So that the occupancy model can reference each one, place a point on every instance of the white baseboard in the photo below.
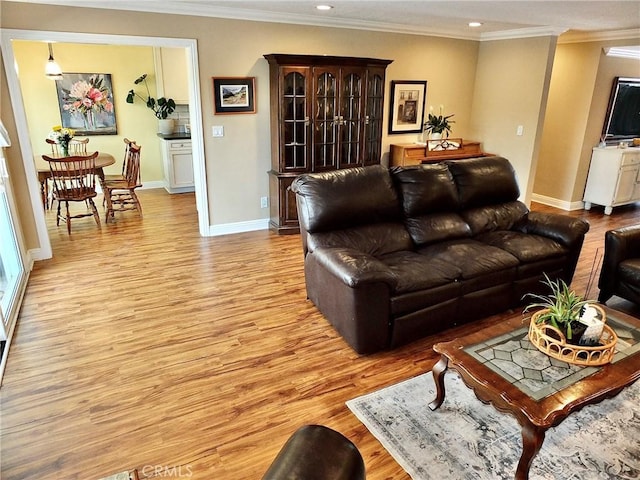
(554, 202)
(239, 227)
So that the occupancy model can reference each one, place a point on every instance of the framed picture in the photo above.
(406, 114)
(86, 103)
(234, 95)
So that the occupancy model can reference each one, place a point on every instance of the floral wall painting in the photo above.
(406, 114)
(86, 103)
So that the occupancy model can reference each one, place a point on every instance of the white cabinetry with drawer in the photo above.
(614, 178)
(178, 166)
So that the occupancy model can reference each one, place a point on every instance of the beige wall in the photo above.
(125, 64)
(511, 90)
(237, 164)
(579, 93)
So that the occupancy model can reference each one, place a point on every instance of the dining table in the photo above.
(44, 172)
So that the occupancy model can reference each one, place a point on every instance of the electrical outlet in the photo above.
(264, 202)
(519, 130)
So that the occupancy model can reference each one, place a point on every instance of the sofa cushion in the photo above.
(503, 216)
(472, 257)
(418, 272)
(437, 227)
(525, 247)
(425, 189)
(346, 198)
(629, 271)
(484, 181)
(376, 239)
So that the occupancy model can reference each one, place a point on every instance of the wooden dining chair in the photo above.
(119, 192)
(54, 147)
(78, 146)
(74, 180)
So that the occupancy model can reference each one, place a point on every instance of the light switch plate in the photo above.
(217, 131)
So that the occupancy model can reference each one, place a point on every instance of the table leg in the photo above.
(532, 438)
(438, 376)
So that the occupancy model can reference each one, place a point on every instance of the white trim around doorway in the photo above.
(195, 112)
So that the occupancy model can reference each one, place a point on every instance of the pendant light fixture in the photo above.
(52, 70)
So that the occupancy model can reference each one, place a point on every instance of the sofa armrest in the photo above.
(355, 268)
(353, 291)
(563, 229)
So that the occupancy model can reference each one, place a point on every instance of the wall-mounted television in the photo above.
(623, 115)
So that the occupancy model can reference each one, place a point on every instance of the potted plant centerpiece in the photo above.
(569, 328)
(561, 309)
(437, 125)
(162, 107)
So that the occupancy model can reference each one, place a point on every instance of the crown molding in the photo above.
(202, 9)
(523, 33)
(582, 37)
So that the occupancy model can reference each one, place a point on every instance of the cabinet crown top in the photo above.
(299, 59)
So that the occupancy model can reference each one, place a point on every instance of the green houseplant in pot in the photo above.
(438, 125)
(162, 107)
(561, 309)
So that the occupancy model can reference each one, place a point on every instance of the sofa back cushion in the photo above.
(430, 203)
(426, 189)
(346, 198)
(504, 216)
(484, 181)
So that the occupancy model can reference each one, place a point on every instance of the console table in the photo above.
(404, 154)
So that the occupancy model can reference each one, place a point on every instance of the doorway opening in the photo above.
(16, 94)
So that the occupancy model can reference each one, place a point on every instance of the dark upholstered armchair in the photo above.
(316, 452)
(620, 274)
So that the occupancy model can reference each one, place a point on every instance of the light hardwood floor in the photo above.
(144, 345)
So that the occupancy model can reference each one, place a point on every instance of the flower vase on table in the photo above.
(62, 136)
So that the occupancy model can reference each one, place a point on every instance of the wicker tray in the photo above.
(551, 341)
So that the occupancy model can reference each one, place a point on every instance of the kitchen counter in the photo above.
(175, 136)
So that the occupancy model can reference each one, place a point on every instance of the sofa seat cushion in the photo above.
(629, 271)
(471, 257)
(375, 239)
(526, 247)
(417, 272)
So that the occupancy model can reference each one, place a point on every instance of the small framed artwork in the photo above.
(406, 114)
(86, 103)
(234, 95)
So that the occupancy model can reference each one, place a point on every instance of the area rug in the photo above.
(467, 440)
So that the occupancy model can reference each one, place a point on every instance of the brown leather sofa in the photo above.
(394, 255)
(620, 273)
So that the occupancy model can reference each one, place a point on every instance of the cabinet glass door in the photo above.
(373, 119)
(350, 123)
(295, 122)
(325, 122)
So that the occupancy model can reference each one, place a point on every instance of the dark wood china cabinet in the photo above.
(326, 114)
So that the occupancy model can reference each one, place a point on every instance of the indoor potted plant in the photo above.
(438, 124)
(561, 309)
(162, 107)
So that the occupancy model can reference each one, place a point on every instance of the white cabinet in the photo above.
(171, 74)
(178, 166)
(614, 178)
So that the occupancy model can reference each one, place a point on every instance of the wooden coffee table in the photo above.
(501, 371)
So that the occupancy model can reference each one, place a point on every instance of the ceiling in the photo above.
(500, 19)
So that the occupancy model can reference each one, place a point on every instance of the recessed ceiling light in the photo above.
(475, 24)
(324, 7)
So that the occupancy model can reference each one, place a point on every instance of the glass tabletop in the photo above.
(519, 362)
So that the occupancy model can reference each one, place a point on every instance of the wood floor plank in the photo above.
(143, 345)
